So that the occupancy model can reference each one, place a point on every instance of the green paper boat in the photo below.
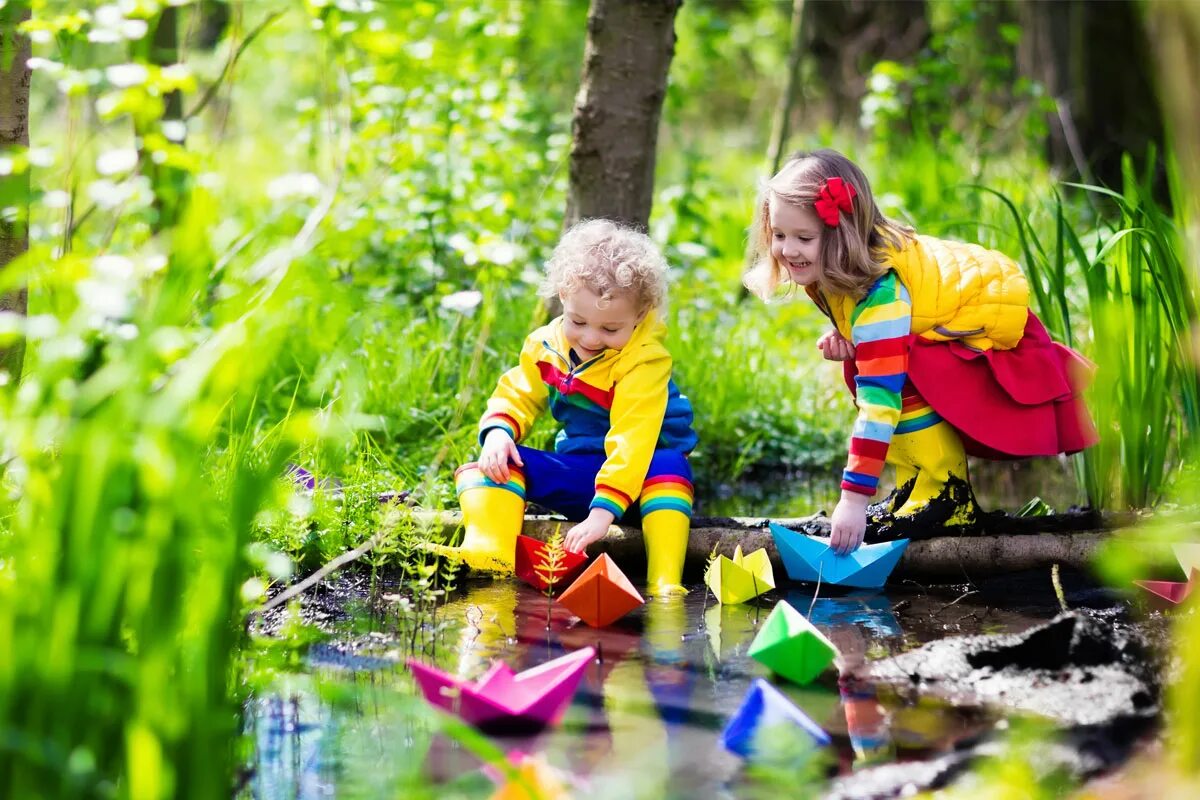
(741, 578)
(791, 646)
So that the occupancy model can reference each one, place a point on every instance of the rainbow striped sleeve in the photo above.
(611, 499)
(879, 326)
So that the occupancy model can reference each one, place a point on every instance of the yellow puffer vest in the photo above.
(960, 292)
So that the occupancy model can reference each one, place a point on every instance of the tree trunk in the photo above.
(1094, 60)
(629, 48)
(781, 124)
(14, 188)
(847, 38)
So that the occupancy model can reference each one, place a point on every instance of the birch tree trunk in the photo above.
(630, 44)
(14, 188)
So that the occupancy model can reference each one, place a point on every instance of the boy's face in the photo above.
(590, 329)
(796, 241)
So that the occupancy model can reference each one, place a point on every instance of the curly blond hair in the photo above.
(609, 260)
(852, 252)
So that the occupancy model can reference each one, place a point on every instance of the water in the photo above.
(647, 718)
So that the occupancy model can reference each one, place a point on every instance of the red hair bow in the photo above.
(834, 195)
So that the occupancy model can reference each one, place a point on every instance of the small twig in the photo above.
(962, 596)
(1058, 590)
(215, 85)
(337, 563)
(816, 591)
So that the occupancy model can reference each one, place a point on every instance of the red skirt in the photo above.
(1005, 403)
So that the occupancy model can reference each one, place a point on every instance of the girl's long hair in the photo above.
(852, 253)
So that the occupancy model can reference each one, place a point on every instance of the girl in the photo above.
(604, 373)
(938, 344)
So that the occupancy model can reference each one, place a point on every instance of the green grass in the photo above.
(1123, 294)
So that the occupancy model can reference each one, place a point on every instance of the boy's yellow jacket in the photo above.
(622, 403)
(960, 292)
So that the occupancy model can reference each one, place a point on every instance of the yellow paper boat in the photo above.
(741, 578)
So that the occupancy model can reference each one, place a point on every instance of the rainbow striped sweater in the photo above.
(880, 325)
(622, 403)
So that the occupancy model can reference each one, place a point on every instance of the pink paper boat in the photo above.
(1173, 592)
(503, 701)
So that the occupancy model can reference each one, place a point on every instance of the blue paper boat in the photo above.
(809, 558)
(766, 708)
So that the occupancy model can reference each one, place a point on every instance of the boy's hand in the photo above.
(590, 530)
(849, 523)
(835, 347)
(498, 450)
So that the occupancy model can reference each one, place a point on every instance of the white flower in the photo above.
(51, 67)
(501, 253)
(126, 75)
(113, 268)
(463, 302)
(174, 130)
(294, 184)
(177, 72)
(41, 156)
(116, 161)
(134, 28)
(41, 326)
(104, 299)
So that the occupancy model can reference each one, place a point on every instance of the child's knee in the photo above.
(669, 462)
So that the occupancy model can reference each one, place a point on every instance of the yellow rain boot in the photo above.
(666, 535)
(880, 513)
(666, 505)
(492, 516)
(941, 498)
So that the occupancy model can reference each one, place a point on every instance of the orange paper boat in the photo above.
(602, 594)
(533, 564)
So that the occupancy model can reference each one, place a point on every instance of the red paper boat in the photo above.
(602, 594)
(503, 701)
(1173, 592)
(531, 556)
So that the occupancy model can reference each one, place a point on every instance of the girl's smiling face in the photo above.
(796, 240)
(591, 329)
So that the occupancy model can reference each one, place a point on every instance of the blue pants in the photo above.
(566, 484)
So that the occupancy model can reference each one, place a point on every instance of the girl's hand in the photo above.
(498, 450)
(590, 530)
(835, 347)
(849, 523)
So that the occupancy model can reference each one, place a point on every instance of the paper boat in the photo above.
(789, 645)
(533, 565)
(809, 558)
(602, 594)
(768, 710)
(503, 701)
(1189, 557)
(1173, 592)
(741, 578)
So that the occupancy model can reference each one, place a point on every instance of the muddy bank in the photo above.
(1089, 674)
(1078, 669)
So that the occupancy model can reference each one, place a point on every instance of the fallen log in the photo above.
(958, 557)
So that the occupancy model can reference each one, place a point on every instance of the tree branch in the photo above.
(211, 92)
